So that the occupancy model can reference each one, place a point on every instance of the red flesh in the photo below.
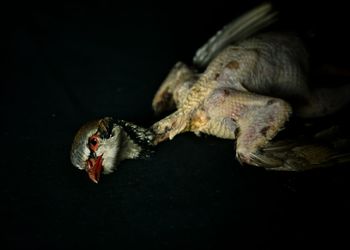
(94, 168)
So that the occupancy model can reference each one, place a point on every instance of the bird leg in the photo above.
(258, 125)
(256, 118)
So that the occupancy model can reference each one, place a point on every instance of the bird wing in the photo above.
(237, 30)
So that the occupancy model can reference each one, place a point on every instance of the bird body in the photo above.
(251, 85)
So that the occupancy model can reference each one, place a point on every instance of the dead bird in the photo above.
(252, 83)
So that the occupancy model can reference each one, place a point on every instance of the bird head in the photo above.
(100, 145)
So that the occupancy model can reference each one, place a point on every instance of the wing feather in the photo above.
(239, 29)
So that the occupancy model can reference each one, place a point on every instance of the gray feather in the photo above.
(239, 29)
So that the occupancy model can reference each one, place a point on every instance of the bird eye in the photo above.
(93, 143)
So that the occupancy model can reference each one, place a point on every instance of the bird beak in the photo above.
(94, 168)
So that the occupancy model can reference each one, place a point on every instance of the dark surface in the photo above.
(72, 62)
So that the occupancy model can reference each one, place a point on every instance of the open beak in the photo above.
(94, 168)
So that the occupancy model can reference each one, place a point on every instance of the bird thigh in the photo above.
(258, 125)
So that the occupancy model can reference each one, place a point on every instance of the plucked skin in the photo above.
(250, 87)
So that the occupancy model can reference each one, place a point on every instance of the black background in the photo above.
(69, 62)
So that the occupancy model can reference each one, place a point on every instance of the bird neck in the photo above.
(137, 142)
(129, 149)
